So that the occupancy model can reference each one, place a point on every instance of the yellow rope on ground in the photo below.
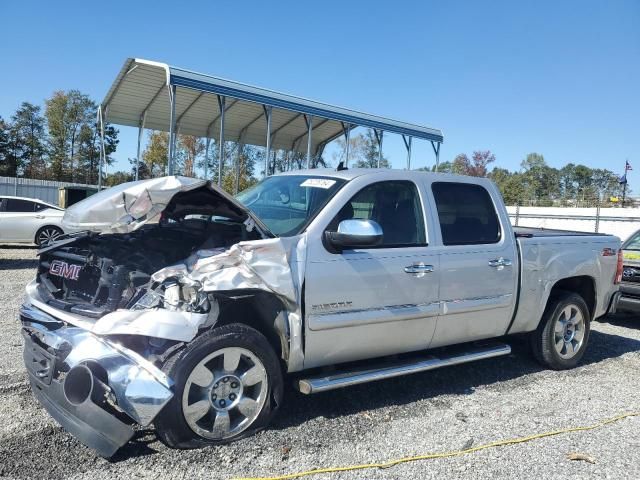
(429, 456)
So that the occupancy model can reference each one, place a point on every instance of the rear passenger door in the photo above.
(478, 264)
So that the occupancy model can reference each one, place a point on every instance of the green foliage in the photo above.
(5, 150)
(542, 185)
(476, 166)
(245, 159)
(156, 153)
(63, 144)
(363, 151)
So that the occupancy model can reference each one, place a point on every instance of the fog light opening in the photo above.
(78, 385)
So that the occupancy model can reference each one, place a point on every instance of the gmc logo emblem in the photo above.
(64, 270)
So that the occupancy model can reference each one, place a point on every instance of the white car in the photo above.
(27, 220)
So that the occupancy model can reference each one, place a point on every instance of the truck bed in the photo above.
(547, 232)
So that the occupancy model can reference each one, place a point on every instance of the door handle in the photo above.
(418, 269)
(500, 262)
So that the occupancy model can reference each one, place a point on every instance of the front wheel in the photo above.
(561, 338)
(228, 383)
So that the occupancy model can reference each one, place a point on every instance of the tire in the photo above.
(45, 234)
(224, 404)
(557, 343)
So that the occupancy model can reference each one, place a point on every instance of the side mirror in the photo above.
(355, 234)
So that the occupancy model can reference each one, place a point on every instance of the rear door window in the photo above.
(15, 205)
(466, 213)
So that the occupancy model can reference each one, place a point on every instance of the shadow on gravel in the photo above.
(138, 446)
(18, 263)
(433, 385)
(626, 320)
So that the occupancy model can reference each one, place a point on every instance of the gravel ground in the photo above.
(437, 411)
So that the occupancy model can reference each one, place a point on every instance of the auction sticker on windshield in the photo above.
(318, 183)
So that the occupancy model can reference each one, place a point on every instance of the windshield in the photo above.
(286, 204)
(633, 243)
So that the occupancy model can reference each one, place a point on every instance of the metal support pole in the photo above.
(267, 116)
(347, 133)
(379, 134)
(103, 156)
(143, 119)
(408, 145)
(221, 104)
(207, 143)
(436, 150)
(309, 122)
(172, 128)
(236, 180)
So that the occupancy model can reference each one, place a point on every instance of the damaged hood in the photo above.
(128, 206)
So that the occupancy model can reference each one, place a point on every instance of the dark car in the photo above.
(630, 286)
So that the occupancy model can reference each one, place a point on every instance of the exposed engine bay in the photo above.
(93, 274)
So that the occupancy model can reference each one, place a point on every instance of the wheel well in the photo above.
(257, 309)
(583, 286)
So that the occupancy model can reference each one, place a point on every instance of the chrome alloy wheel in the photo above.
(47, 235)
(225, 393)
(569, 332)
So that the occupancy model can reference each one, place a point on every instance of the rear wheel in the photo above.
(228, 383)
(47, 234)
(562, 336)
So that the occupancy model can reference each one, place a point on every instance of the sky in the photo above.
(561, 78)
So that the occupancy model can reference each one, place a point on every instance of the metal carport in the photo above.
(157, 96)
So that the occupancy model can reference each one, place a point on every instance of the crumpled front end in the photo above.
(95, 388)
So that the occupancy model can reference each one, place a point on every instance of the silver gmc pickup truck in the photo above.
(184, 307)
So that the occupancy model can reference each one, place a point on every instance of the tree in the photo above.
(369, 152)
(541, 182)
(56, 114)
(510, 185)
(13, 150)
(116, 178)
(81, 111)
(28, 127)
(192, 148)
(480, 160)
(443, 167)
(156, 152)
(4, 147)
(211, 161)
(244, 166)
(461, 164)
(474, 167)
(363, 151)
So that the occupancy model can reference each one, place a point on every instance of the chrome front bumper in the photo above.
(96, 389)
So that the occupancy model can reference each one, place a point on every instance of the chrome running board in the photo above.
(390, 370)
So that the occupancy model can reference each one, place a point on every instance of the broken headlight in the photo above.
(151, 299)
(178, 296)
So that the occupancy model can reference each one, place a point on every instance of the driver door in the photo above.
(370, 302)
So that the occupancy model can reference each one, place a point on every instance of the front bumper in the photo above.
(96, 389)
(629, 297)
